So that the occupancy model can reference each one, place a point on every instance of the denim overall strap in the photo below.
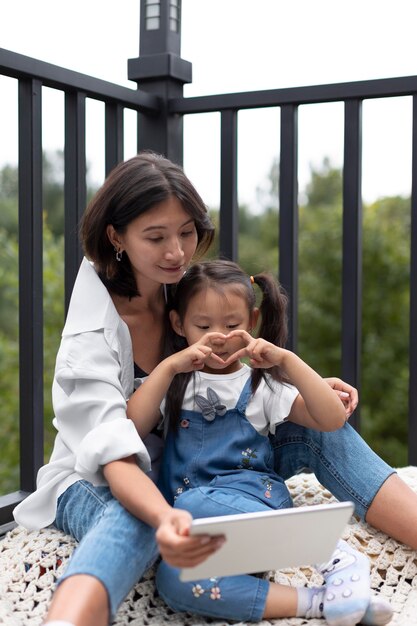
(245, 396)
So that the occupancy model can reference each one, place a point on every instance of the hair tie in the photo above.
(252, 280)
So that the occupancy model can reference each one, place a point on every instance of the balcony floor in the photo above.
(30, 563)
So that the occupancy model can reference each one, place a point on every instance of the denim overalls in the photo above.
(218, 464)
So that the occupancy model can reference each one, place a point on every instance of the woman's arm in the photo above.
(348, 394)
(140, 496)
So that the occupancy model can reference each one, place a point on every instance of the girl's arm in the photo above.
(143, 405)
(140, 496)
(317, 406)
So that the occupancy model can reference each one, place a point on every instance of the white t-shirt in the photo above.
(269, 405)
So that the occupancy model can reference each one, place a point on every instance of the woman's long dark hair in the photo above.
(222, 276)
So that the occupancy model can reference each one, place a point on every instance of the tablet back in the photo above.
(258, 542)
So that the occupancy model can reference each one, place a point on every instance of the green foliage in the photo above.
(386, 261)
(53, 263)
(9, 364)
(385, 314)
(8, 199)
(320, 272)
(9, 347)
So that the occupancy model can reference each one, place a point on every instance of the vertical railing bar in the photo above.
(412, 414)
(114, 135)
(30, 282)
(75, 184)
(229, 211)
(352, 249)
(288, 216)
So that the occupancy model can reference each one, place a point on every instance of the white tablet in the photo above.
(258, 542)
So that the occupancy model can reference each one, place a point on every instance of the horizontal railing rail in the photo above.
(20, 66)
(314, 94)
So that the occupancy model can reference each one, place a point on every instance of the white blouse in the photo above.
(93, 381)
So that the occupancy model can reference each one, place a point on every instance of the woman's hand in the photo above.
(347, 394)
(179, 549)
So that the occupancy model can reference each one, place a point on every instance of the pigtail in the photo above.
(175, 394)
(273, 324)
(175, 398)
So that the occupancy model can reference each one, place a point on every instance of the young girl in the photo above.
(218, 413)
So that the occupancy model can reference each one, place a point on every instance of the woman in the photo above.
(140, 232)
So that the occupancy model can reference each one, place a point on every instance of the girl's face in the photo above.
(159, 243)
(212, 311)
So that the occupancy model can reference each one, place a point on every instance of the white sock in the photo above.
(348, 586)
(310, 602)
(378, 613)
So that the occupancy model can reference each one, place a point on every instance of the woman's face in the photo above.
(159, 243)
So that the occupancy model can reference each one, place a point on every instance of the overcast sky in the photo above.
(234, 45)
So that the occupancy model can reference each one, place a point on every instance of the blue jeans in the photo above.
(114, 546)
(341, 461)
(239, 598)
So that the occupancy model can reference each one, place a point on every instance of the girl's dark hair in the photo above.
(222, 276)
(132, 188)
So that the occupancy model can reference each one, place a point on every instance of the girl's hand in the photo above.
(261, 353)
(347, 394)
(194, 357)
(177, 548)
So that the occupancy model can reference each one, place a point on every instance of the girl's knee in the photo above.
(240, 598)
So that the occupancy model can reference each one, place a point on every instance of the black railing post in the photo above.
(30, 282)
(229, 210)
(288, 216)
(75, 185)
(352, 249)
(412, 414)
(114, 135)
(161, 71)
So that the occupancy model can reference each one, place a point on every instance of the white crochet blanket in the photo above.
(30, 563)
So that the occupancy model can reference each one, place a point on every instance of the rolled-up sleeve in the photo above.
(90, 406)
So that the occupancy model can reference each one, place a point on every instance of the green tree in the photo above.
(53, 263)
(385, 332)
(386, 276)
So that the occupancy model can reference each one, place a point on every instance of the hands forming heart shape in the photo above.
(227, 349)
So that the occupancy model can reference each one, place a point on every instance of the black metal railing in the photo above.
(32, 75)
